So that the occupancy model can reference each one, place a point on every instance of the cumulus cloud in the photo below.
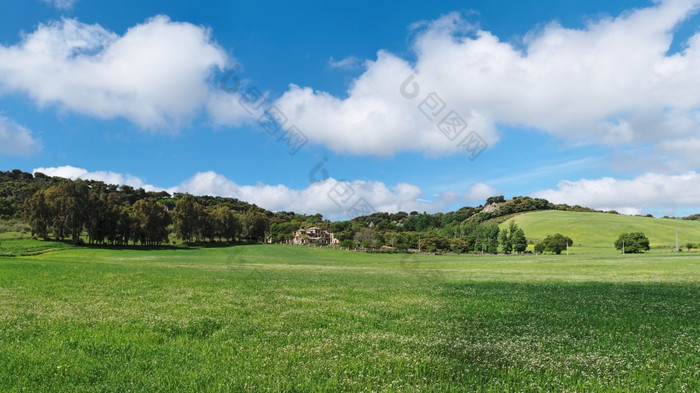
(611, 82)
(108, 177)
(648, 191)
(334, 199)
(155, 75)
(16, 139)
(342, 200)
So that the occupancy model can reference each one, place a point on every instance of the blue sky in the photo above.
(581, 102)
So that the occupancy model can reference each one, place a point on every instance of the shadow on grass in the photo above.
(565, 335)
(161, 247)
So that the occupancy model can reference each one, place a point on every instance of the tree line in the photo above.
(117, 216)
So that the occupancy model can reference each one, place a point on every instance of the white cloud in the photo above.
(479, 192)
(15, 139)
(61, 4)
(155, 75)
(108, 177)
(332, 198)
(227, 109)
(348, 63)
(611, 82)
(336, 199)
(682, 153)
(648, 191)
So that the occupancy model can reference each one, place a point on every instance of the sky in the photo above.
(349, 108)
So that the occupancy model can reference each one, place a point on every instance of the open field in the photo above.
(591, 231)
(287, 318)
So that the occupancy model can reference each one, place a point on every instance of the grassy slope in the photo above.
(602, 229)
(286, 318)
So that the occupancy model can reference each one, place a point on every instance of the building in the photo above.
(315, 236)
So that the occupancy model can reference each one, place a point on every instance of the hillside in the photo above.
(600, 230)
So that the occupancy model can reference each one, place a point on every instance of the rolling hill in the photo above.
(600, 230)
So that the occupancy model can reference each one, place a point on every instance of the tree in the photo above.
(540, 247)
(633, 242)
(365, 237)
(555, 243)
(226, 224)
(519, 241)
(185, 218)
(347, 243)
(483, 238)
(150, 222)
(68, 206)
(125, 226)
(36, 213)
(96, 218)
(206, 224)
(506, 241)
(255, 224)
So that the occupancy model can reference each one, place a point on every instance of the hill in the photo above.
(600, 230)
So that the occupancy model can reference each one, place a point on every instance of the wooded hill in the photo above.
(119, 215)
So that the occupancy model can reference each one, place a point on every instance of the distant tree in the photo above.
(633, 242)
(254, 224)
(68, 207)
(495, 199)
(689, 246)
(150, 222)
(186, 217)
(365, 237)
(540, 247)
(519, 241)
(347, 243)
(507, 237)
(96, 218)
(125, 226)
(36, 213)
(459, 245)
(206, 224)
(557, 243)
(226, 224)
(506, 241)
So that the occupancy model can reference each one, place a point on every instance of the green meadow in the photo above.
(292, 319)
(596, 232)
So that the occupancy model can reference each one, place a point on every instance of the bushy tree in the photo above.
(347, 243)
(554, 243)
(36, 213)
(186, 218)
(506, 243)
(150, 222)
(255, 224)
(633, 242)
(540, 247)
(519, 241)
(513, 239)
(226, 224)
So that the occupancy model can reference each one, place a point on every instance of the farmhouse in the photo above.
(315, 236)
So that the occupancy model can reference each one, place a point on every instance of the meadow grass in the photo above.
(291, 318)
(596, 232)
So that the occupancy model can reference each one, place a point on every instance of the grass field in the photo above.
(591, 231)
(289, 318)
